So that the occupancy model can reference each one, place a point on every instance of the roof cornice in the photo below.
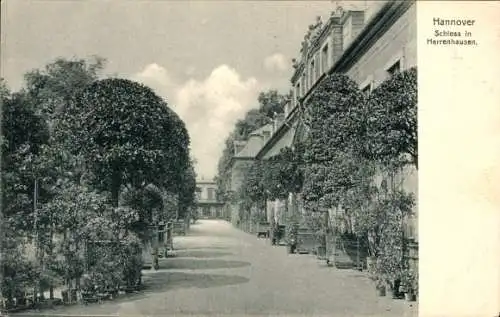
(284, 127)
(377, 26)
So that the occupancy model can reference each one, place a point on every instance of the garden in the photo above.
(85, 178)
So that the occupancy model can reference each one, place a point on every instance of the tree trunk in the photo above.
(116, 183)
(294, 207)
(40, 285)
(51, 254)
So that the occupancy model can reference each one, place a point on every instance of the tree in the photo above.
(271, 103)
(283, 173)
(55, 86)
(187, 193)
(128, 136)
(253, 120)
(334, 118)
(392, 120)
(223, 177)
(252, 193)
(252, 188)
(23, 135)
(48, 93)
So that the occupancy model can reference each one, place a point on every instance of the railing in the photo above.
(306, 241)
(179, 228)
(169, 232)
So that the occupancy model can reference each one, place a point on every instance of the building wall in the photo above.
(284, 141)
(210, 210)
(207, 204)
(238, 170)
(207, 191)
(399, 42)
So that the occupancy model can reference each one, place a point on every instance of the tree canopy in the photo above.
(392, 119)
(129, 136)
(334, 118)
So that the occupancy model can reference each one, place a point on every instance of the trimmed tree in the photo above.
(334, 118)
(391, 123)
(128, 136)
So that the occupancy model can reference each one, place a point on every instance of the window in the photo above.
(303, 85)
(297, 91)
(346, 32)
(206, 211)
(317, 70)
(395, 68)
(311, 74)
(324, 59)
(210, 193)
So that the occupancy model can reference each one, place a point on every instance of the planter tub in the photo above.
(410, 297)
(381, 291)
(370, 263)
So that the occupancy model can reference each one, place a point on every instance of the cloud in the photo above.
(275, 62)
(209, 107)
(157, 78)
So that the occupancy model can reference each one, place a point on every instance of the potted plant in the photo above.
(370, 263)
(414, 284)
(381, 286)
(407, 286)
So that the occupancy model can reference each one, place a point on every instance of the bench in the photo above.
(179, 228)
(263, 230)
(90, 297)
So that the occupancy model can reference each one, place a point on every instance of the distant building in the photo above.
(206, 200)
(244, 156)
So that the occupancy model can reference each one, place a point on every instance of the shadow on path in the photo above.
(171, 281)
(153, 284)
(200, 248)
(200, 254)
(165, 281)
(192, 264)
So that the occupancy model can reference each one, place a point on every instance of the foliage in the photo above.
(70, 133)
(253, 120)
(223, 177)
(187, 190)
(113, 263)
(334, 118)
(116, 125)
(270, 103)
(283, 173)
(409, 281)
(31, 152)
(17, 270)
(252, 191)
(348, 138)
(23, 135)
(55, 86)
(392, 119)
(388, 230)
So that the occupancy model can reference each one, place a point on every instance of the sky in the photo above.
(208, 59)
